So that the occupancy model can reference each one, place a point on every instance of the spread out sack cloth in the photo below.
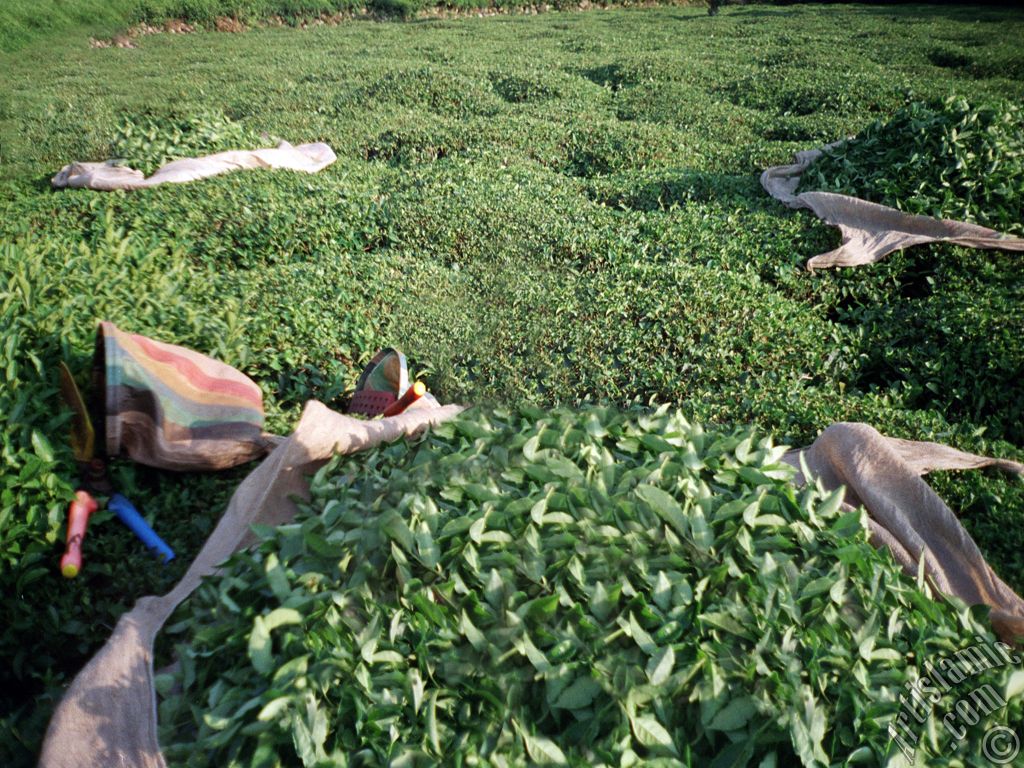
(884, 475)
(107, 176)
(108, 716)
(172, 408)
(871, 231)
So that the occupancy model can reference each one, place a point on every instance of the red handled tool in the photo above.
(78, 518)
(412, 394)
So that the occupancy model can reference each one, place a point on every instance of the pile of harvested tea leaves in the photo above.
(947, 159)
(592, 588)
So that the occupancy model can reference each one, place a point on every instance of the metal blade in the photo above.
(83, 436)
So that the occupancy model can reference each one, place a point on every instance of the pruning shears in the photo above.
(94, 481)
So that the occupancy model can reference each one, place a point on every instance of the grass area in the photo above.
(27, 21)
(59, 21)
(552, 209)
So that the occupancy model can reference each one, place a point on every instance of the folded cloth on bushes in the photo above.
(871, 231)
(109, 717)
(107, 176)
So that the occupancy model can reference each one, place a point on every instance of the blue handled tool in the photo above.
(129, 515)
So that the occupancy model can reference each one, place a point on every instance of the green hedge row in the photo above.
(207, 11)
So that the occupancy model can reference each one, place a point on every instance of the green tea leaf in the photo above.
(260, 647)
(667, 508)
(579, 694)
(659, 666)
(650, 733)
(543, 750)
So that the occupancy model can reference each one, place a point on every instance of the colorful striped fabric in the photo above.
(384, 379)
(170, 407)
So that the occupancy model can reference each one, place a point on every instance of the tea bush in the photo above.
(527, 87)
(600, 148)
(917, 339)
(437, 90)
(408, 141)
(804, 94)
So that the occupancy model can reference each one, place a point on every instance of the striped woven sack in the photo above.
(172, 408)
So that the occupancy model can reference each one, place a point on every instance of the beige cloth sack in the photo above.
(308, 158)
(884, 475)
(108, 717)
(871, 231)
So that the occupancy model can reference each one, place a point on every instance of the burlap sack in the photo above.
(870, 232)
(308, 158)
(109, 718)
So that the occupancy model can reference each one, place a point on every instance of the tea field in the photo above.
(554, 209)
